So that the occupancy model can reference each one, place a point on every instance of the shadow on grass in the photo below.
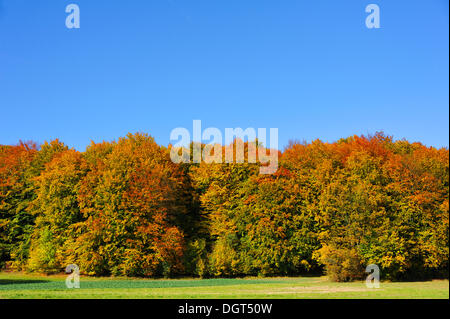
(22, 281)
(23, 284)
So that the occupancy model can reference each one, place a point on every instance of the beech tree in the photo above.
(124, 208)
(132, 201)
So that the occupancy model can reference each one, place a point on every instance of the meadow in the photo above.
(30, 286)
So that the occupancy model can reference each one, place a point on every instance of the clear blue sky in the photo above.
(310, 68)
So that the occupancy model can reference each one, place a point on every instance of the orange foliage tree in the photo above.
(124, 208)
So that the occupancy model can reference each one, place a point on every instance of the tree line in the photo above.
(123, 208)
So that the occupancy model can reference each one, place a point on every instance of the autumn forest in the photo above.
(123, 208)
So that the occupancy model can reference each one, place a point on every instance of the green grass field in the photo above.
(18, 285)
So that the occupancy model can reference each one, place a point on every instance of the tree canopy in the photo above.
(125, 208)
